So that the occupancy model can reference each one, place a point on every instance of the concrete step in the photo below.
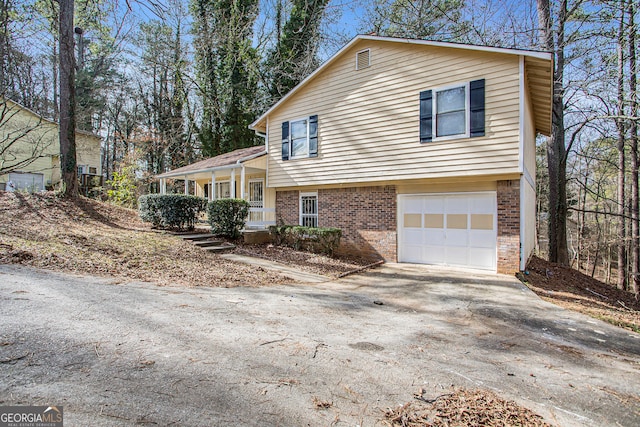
(194, 237)
(206, 243)
(221, 248)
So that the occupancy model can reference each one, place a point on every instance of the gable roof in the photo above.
(539, 64)
(44, 119)
(223, 161)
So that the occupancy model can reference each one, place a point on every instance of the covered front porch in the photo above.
(239, 174)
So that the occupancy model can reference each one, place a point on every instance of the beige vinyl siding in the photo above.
(258, 162)
(368, 120)
(88, 151)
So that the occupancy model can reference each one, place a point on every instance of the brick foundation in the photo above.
(366, 215)
(287, 207)
(508, 197)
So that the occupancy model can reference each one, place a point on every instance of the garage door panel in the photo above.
(457, 238)
(433, 255)
(414, 254)
(413, 205)
(480, 257)
(482, 205)
(27, 181)
(457, 205)
(434, 237)
(456, 256)
(433, 205)
(482, 239)
(413, 237)
(450, 229)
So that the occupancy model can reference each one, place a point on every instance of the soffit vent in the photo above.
(363, 59)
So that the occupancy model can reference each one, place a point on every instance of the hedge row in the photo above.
(314, 239)
(179, 211)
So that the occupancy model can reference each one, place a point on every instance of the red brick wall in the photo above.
(508, 195)
(366, 215)
(287, 207)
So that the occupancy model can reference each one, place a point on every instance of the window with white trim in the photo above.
(455, 111)
(309, 209)
(299, 138)
(223, 190)
(452, 108)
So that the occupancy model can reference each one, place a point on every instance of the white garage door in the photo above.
(448, 229)
(27, 181)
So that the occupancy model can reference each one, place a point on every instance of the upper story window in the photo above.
(452, 108)
(300, 138)
(452, 112)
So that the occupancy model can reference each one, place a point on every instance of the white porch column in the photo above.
(242, 183)
(186, 184)
(212, 191)
(233, 183)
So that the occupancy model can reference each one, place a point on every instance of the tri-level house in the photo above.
(420, 151)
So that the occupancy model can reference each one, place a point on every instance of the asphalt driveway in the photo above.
(134, 353)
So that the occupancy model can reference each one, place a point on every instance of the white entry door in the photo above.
(256, 200)
(448, 229)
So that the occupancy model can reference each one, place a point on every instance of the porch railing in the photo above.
(261, 218)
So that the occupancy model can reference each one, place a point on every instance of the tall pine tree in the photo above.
(295, 54)
(227, 72)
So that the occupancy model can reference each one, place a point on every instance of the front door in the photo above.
(256, 200)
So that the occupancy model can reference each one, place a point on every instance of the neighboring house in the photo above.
(239, 174)
(420, 151)
(30, 151)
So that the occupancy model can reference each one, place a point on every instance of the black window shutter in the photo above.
(285, 141)
(313, 136)
(476, 119)
(426, 114)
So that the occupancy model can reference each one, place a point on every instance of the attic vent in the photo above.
(363, 59)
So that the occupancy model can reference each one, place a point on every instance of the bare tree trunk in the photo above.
(633, 89)
(54, 63)
(556, 152)
(67, 101)
(620, 124)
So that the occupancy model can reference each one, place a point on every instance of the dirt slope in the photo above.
(571, 289)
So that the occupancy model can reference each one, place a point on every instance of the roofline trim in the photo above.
(230, 166)
(520, 52)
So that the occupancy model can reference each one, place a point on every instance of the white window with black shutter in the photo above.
(300, 138)
(452, 112)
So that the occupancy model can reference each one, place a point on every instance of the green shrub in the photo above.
(123, 188)
(324, 240)
(227, 216)
(171, 210)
